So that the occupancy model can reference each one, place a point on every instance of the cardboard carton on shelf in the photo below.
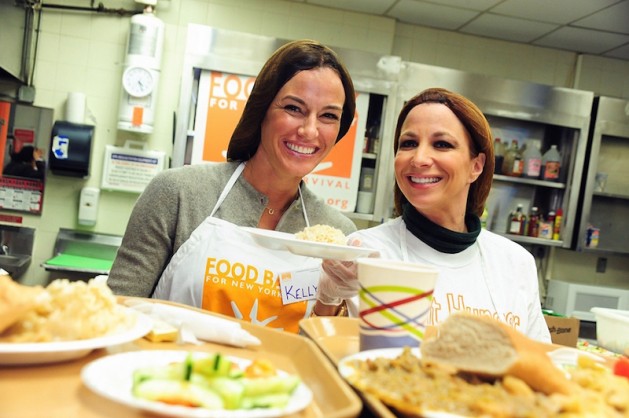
(563, 330)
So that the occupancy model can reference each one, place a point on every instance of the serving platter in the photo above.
(112, 378)
(276, 240)
(58, 351)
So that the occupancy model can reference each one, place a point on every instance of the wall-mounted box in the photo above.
(71, 149)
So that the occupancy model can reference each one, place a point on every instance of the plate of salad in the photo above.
(186, 384)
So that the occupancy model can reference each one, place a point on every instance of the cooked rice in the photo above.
(322, 233)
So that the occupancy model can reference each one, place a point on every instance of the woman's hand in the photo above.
(338, 281)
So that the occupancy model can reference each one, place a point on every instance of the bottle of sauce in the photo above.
(513, 164)
(546, 226)
(557, 224)
(532, 229)
(517, 221)
(551, 162)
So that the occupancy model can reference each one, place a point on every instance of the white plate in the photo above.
(276, 240)
(112, 378)
(345, 369)
(40, 353)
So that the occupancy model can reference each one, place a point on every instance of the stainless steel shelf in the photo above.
(532, 182)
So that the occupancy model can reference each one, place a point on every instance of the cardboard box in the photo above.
(563, 331)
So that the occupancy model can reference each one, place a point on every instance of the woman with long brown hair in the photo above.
(184, 240)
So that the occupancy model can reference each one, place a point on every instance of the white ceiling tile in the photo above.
(480, 5)
(582, 40)
(507, 28)
(430, 14)
(622, 52)
(613, 19)
(553, 11)
(589, 26)
(362, 6)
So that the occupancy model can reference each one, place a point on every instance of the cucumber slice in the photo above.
(173, 371)
(275, 400)
(269, 385)
(231, 390)
(215, 365)
(175, 392)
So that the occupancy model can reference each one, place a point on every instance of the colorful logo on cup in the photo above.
(395, 311)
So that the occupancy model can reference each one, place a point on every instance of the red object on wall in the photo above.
(22, 137)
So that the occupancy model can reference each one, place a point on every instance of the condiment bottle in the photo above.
(557, 224)
(517, 221)
(551, 162)
(512, 164)
(532, 229)
(546, 226)
(532, 160)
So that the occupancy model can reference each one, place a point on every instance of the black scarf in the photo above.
(438, 237)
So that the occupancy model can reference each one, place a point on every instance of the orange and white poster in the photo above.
(221, 101)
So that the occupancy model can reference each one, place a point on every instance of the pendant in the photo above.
(271, 211)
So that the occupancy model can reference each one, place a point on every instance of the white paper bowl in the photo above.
(612, 329)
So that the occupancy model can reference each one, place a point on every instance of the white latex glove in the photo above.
(338, 280)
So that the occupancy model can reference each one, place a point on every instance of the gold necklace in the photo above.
(272, 211)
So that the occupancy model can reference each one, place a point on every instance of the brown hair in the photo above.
(481, 142)
(287, 61)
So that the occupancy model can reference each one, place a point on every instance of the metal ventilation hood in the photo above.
(7, 78)
(13, 20)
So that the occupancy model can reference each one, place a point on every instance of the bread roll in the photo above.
(485, 346)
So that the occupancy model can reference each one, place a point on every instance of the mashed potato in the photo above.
(322, 233)
(67, 311)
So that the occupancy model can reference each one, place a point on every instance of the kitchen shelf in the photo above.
(610, 195)
(523, 239)
(608, 150)
(534, 182)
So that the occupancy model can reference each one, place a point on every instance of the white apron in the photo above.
(221, 268)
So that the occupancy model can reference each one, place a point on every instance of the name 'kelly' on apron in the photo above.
(222, 269)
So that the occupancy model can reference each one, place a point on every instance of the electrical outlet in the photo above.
(601, 265)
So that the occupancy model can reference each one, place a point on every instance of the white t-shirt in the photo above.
(495, 276)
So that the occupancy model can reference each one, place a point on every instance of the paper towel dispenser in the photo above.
(70, 149)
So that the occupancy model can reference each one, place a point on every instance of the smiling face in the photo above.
(434, 167)
(302, 123)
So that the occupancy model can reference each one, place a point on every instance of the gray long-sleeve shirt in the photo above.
(177, 201)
